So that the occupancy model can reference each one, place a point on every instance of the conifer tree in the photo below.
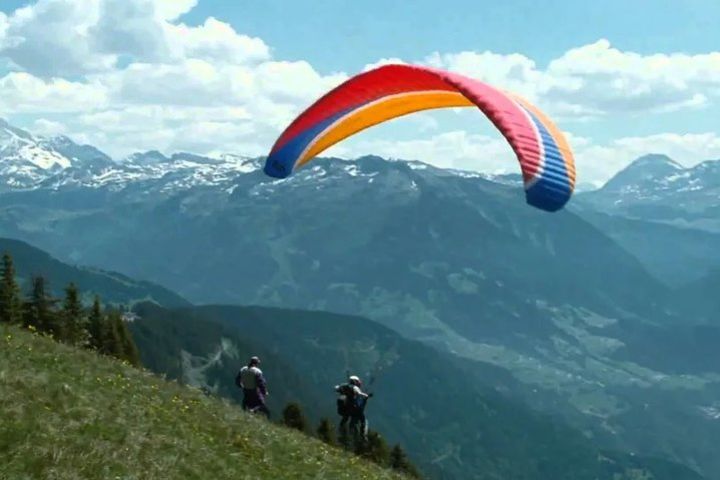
(400, 462)
(294, 418)
(96, 325)
(325, 432)
(374, 449)
(10, 301)
(39, 309)
(73, 318)
(127, 344)
(117, 340)
(111, 341)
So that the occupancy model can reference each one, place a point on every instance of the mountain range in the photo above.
(455, 260)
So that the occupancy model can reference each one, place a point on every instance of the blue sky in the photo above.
(211, 76)
(342, 34)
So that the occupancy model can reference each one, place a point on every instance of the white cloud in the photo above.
(50, 38)
(512, 72)
(383, 61)
(70, 38)
(600, 79)
(23, 93)
(597, 79)
(48, 128)
(172, 9)
(128, 27)
(293, 81)
(206, 136)
(597, 163)
(217, 41)
(455, 149)
(193, 82)
(195, 129)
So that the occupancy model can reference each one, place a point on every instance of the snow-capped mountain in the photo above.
(154, 171)
(30, 162)
(79, 155)
(656, 188)
(654, 177)
(26, 160)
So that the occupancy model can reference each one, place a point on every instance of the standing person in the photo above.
(351, 406)
(250, 378)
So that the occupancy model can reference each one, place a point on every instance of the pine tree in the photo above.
(127, 344)
(400, 462)
(294, 418)
(96, 325)
(111, 342)
(374, 449)
(325, 432)
(117, 340)
(39, 310)
(10, 301)
(73, 318)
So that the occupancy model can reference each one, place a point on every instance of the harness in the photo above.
(347, 404)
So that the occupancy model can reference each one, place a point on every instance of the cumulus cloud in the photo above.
(513, 72)
(172, 9)
(48, 128)
(70, 38)
(597, 79)
(128, 27)
(23, 93)
(383, 61)
(598, 162)
(456, 149)
(217, 41)
(50, 38)
(193, 82)
(168, 129)
(600, 79)
(292, 82)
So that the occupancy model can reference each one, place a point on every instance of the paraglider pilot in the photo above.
(351, 406)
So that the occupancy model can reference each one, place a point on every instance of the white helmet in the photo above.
(355, 380)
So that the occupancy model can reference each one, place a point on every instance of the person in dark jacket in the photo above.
(254, 387)
(351, 406)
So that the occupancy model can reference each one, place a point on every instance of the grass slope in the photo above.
(69, 414)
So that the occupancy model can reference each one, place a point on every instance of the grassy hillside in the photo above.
(112, 287)
(68, 414)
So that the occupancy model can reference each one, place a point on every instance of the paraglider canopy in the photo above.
(391, 91)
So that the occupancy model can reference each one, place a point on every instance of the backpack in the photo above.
(346, 400)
